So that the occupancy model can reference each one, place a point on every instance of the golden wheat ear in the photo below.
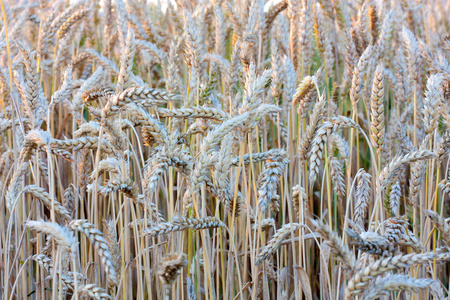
(130, 129)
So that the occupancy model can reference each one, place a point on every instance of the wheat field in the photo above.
(237, 149)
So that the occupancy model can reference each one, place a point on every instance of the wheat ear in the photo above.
(114, 249)
(376, 101)
(344, 255)
(43, 196)
(99, 242)
(61, 235)
(358, 282)
(182, 223)
(441, 224)
(275, 242)
(392, 283)
(92, 290)
(169, 269)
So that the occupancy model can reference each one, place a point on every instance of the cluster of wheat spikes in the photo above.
(237, 149)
